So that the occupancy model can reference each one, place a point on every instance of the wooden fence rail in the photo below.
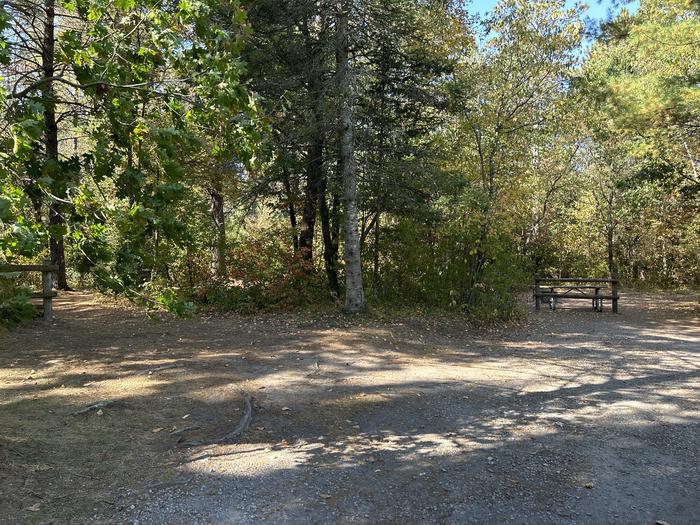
(554, 288)
(47, 270)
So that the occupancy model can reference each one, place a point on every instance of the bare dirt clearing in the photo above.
(578, 418)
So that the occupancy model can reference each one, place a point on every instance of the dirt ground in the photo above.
(574, 417)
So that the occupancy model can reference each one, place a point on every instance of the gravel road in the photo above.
(577, 418)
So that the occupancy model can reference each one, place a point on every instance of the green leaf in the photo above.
(125, 5)
(5, 209)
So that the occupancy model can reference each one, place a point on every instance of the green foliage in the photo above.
(19, 235)
(160, 91)
(197, 140)
(266, 276)
(171, 301)
(436, 270)
(14, 305)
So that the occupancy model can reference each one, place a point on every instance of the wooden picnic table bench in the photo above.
(593, 289)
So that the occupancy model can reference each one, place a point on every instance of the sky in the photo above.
(596, 9)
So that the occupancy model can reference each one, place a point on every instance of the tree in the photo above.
(135, 75)
(640, 78)
(508, 94)
(354, 291)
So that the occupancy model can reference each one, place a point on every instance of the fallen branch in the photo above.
(242, 426)
(96, 406)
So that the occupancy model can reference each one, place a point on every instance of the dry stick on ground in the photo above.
(96, 406)
(242, 426)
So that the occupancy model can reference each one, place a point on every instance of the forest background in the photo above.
(251, 155)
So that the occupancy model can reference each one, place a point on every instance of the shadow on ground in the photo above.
(576, 417)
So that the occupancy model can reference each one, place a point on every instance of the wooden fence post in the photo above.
(537, 291)
(613, 278)
(47, 292)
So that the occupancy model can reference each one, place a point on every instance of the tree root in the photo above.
(186, 429)
(242, 426)
(244, 423)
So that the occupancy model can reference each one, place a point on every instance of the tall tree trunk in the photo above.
(354, 292)
(336, 221)
(380, 165)
(56, 220)
(375, 262)
(330, 252)
(290, 208)
(487, 168)
(314, 154)
(314, 174)
(610, 231)
(611, 259)
(217, 267)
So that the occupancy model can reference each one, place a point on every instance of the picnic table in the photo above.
(593, 289)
